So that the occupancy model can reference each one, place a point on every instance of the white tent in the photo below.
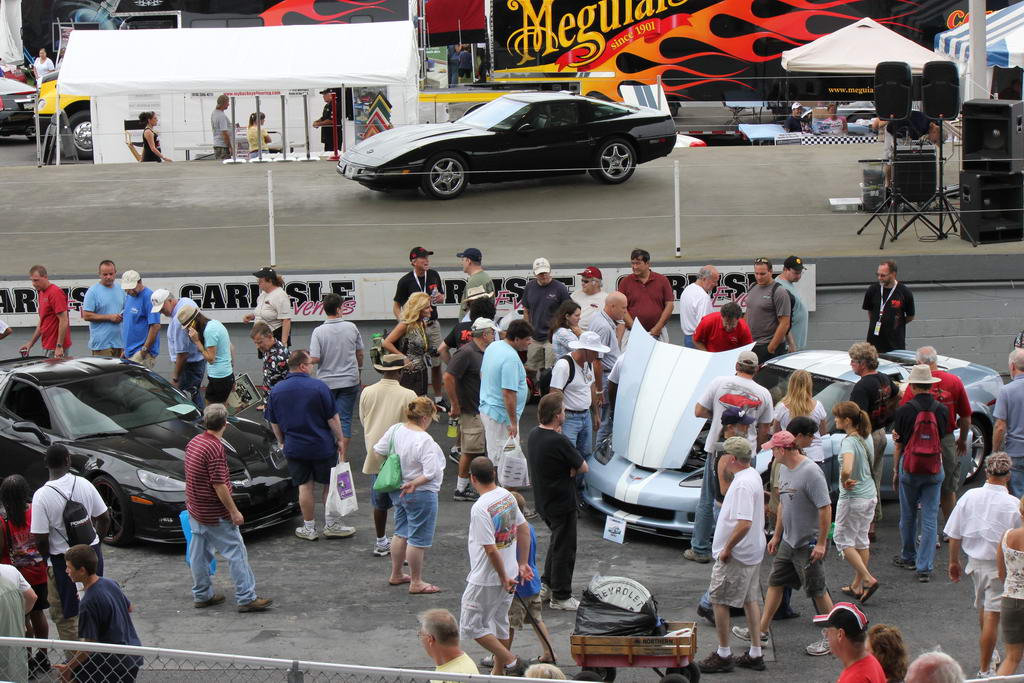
(10, 32)
(256, 58)
(857, 49)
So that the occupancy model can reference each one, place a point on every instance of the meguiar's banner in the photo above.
(366, 296)
(701, 49)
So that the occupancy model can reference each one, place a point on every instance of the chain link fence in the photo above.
(28, 659)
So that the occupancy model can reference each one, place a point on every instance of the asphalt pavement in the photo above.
(333, 603)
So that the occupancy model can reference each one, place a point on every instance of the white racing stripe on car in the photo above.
(622, 485)
(626, 516)
(635, 487)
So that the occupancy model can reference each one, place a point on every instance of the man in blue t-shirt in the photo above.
(104, 616)
(140, 326)
(503, 388)
(302, 412)
(102, 310)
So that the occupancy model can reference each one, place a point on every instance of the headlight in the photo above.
(159, 482)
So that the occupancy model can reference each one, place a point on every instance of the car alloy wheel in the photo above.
(121, 529)
(445, 176)
(977, 449)
(616, 162)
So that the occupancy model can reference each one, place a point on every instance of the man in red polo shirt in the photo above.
(53, 326)
(649, 296)
(950, 392)
(722, 330)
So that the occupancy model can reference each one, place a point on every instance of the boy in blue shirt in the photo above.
(529, 592)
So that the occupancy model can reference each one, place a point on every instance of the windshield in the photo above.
(500, 114)
(828, 390)
(116, 402)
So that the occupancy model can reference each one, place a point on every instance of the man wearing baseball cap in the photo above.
(423, 278)
(478, 277)
(846, 628)
(140, 325)
(980, 519)
(695, 302)
(541, 299)
(188, 365)
(590, 295)
(792, 271)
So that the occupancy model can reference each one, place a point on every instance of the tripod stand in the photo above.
(939, 203)
(892, 208)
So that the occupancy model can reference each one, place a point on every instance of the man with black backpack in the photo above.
(918, 429)
(66, 511)
(573, 376)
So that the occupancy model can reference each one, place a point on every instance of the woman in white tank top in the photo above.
(1010, 558)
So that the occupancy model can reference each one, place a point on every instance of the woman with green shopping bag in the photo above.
(422, 468)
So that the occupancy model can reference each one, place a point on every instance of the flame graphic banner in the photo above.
(700, 49)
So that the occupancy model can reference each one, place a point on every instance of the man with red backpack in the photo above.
(918, 430)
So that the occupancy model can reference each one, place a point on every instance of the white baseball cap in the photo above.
(541, 265)
(482, 324)
(129, 279)
(158, 299)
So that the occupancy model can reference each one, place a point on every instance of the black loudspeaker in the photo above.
(892, 90)
(914, 173)
(993, 134)
(940, 90)
(990, 207)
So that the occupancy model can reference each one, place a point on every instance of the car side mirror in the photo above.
(525, 129)
(29, 428)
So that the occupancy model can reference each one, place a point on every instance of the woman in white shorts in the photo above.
(857, 498)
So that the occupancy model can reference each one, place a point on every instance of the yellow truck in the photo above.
(75, 108)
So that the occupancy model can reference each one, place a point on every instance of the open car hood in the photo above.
(659, 384)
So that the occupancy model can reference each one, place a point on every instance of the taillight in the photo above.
(1, 104)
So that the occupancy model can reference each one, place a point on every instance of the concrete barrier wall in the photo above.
(975, 322)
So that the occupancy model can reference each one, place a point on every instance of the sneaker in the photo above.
(454, 454)
(820, 648)
(468, 496)
(898, 561)
(985, 674)
(38, 664)
(545, 592)
(308, 534)
(257, 605)
(517, 668)
(338, 530)
(216, 599)
(743, 633)
(924, 577)
(693, 556)
(441, 404)
(570, 604)
(716, 664)
(747, 662)
(382, 548)
(708, 614)
(996, 660)
(487, 662)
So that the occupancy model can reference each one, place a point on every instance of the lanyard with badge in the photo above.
(881, 307)
(422, 286)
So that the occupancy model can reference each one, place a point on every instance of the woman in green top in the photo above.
(857, 497)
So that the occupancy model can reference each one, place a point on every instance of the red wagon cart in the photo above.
(673, 652)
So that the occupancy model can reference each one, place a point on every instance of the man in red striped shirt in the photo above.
(214, 519)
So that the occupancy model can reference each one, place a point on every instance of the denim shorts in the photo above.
(379, 501)
(344, 402)
(415, 517)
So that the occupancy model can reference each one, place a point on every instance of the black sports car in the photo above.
(127, 429)
(526, 135)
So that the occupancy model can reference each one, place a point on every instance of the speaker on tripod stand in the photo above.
(992, 175)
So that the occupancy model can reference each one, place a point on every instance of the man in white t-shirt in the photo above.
(695, 302)
(738, 549)
(578, 389)
(48, 528)
(590, 296)
(499, 557)
(743, 393)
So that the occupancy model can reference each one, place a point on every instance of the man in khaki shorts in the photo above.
(462, 383)
(738, 549)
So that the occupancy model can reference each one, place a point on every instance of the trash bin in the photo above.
(872, 188)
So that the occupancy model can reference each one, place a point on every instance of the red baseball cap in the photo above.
(592, 272)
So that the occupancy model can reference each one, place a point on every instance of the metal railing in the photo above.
(23, 659)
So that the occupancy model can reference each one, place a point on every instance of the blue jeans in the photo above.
(344, 402)
(605, 429)
(704, 520)
(1017, 477)
(226, 539)
(191, 381)
(579, 429)
(688, 341)
(923, 489)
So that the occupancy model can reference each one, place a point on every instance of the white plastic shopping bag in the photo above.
(341, 498)
(513, 472)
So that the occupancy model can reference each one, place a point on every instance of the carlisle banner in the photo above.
(700, 49)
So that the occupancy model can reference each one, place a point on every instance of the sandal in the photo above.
(869, 591)
(405, 580)
(429, 589)
(848, 590)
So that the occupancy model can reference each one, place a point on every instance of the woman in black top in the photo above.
(150, 140)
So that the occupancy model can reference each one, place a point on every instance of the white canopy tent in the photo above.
(253, 58)
(10, 32)
(177, 72)
(856, 49)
